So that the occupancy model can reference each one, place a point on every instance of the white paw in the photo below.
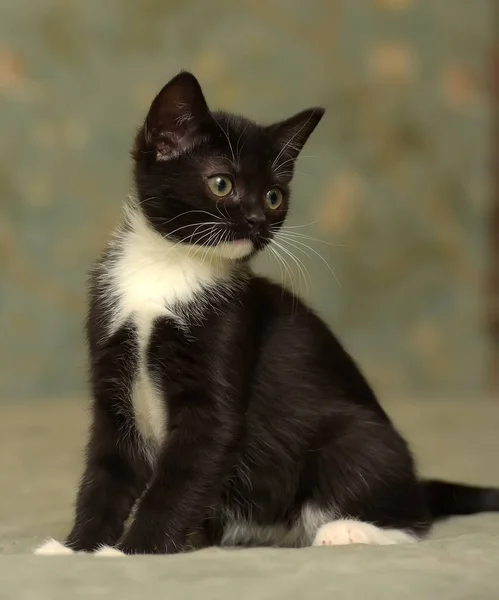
(346, 531)
(52, 547)
(108, 551)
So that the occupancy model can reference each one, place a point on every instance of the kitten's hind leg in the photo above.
(212, 532)
(349, 531)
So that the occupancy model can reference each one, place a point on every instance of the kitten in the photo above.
(221, 403)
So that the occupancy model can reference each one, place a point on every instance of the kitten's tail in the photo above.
(446, 499)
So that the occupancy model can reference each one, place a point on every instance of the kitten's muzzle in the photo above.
(255, 220)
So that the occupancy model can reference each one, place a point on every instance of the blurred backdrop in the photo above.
(395, 178)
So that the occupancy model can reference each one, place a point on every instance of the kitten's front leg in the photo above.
(115, 472)
(110, 486)
(188, 479)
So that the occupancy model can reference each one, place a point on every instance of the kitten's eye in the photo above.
(220, 185)
(273, 198)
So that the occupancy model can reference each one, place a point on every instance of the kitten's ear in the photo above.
(176, 117)
(290, 135)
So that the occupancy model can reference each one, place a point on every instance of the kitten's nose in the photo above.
(254, 219)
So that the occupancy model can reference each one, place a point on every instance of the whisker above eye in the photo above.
(288, 160)
(239, 150)
(228, 140)
(292, 160)
(290, 173)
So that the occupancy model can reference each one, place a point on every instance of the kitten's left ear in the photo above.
(290, 135)
(177, 116)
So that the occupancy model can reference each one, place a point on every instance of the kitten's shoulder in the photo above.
(271, 293)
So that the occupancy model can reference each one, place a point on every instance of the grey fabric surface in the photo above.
(40, 461)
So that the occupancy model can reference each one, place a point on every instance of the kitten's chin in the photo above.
(236, 250)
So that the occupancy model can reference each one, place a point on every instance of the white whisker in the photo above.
(293, 244)
(298, 226)
(204, 240)
(238, 151)
(290, 160)
(295, 234)
(289, 274)
(205, 212)
(299, 263)
(228, 140)
(207, 223)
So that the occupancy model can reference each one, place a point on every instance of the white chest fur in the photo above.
(149, 277)
(148, 399)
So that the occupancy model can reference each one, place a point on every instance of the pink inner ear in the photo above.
(164, 149)
(169, 145)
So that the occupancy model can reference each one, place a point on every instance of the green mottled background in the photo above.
(395, 175)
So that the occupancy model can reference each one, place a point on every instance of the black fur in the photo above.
(445, 499)
(266, 411)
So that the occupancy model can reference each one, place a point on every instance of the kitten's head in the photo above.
(212, 178)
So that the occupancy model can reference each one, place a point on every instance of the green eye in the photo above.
(273, 198)
(220, 185)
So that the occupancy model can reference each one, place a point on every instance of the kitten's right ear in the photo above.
(290, 135)
(176, 117)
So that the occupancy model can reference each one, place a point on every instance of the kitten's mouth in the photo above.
(236, 249)
(239, 246)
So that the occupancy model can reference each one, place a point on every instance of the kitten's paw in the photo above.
(52, 547)
(108, 551)
(346, 531)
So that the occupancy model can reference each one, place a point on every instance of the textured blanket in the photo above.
(40, 462)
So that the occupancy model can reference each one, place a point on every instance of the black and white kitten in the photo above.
(221, 403)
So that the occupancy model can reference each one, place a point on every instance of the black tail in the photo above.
(447, 499)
